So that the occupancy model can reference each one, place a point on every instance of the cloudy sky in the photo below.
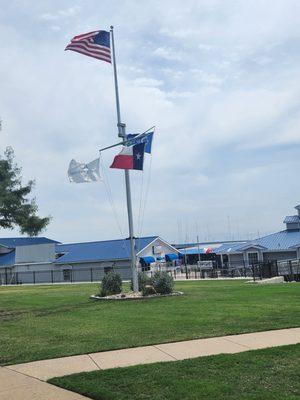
(219, 79)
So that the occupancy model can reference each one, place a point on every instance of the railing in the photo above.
(65, 275)
(290, 269)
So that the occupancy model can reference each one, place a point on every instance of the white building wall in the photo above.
(94, 271)
(236, 259)
(279, 255)
(35, 253)
(164, 249)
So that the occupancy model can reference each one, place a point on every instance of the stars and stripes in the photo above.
(93, 44)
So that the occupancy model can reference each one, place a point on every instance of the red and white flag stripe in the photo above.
(123, 160)
(93, 44)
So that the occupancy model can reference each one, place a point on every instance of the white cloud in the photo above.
(60, 14)
(168, 54)
(147, 82)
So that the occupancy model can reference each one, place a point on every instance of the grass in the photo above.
(60, 320)
(269, 374)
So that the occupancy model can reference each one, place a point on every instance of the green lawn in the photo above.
(52, 321)
(269, 374)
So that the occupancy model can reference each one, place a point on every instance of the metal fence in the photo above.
(65, 275)
(290, 269)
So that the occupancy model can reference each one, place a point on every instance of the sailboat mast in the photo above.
(122, 134)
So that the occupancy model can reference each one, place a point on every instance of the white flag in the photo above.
(80, 172)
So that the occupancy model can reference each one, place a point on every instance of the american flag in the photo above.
(93, 44)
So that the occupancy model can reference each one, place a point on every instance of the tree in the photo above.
(15, 207)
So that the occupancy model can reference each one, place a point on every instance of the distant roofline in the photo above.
(91, 260)
(186, 245)
(107, 240)
(25, 238)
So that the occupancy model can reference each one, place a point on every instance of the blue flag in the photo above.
(133, 139)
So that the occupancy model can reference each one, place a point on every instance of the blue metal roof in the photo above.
(283, 240)
(7, 259)
(25, 241)
(191, 251)
(291, 219)
(228, 247)
(100, 251)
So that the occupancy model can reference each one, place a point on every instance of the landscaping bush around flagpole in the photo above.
(160, 283)
(111, 284)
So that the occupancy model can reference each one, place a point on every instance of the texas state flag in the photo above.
(130, 157)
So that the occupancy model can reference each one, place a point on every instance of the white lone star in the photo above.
(138, 156)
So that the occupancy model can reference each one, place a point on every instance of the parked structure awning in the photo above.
(171, 257)
(147, 260)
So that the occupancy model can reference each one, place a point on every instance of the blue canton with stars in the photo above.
(138, 156)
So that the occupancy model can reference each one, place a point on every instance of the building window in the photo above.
(253, 258)
(67, 275)
(156, 249)
(225, 260)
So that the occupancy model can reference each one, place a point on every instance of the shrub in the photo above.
(162, 282)
(148, 290)
(111, 284)
(143, 280)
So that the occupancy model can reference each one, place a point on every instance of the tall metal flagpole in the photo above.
(122, 134)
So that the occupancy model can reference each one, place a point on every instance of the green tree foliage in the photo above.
(15, 207)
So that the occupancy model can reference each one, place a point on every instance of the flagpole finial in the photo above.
(111, 27)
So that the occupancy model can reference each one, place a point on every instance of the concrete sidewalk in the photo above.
(16, 386)
(46, 369)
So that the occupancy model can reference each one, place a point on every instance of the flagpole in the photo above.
(122, 134)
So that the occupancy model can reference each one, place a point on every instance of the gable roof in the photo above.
(12, 243)
(100, 251)
(252, 245)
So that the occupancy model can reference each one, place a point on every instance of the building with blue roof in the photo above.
(42, 260)
(25, 255)
(278, 246)
(103, 256)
